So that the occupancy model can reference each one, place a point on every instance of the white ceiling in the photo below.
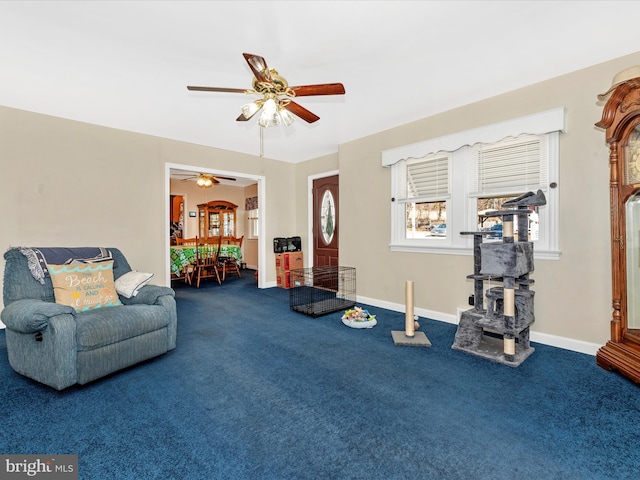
(126, 64)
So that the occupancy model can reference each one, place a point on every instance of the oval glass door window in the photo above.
(327, 216)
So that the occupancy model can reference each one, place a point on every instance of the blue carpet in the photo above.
(256, 391)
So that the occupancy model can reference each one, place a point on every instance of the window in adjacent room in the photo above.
(253, 216)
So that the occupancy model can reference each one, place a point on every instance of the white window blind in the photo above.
(511, 166)
(428, 179)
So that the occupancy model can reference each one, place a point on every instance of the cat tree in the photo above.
(500, 332)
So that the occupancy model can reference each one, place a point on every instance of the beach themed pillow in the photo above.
(128, 284)
(84, 286)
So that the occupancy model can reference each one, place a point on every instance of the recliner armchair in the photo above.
(58, 346)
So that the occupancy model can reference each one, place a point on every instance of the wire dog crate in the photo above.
(317, 291)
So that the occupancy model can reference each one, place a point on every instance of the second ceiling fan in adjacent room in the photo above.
(204, 180)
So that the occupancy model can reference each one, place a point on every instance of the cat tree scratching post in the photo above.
(410, 337)
(508, 291)
(501, 331)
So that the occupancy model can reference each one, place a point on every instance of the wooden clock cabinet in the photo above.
(621, 119)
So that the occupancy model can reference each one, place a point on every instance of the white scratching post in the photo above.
(410, 338)
(409, 321)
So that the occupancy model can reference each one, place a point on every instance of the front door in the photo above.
(325, 221)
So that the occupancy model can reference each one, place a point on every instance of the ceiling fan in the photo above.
(277, 96)
(204, 180)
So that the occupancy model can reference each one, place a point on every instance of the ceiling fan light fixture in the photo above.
(287, 117)
(267, 121)
(270, 107)
(250, 109)
(204, 181)
(269, 116)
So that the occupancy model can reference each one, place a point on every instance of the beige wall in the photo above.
(67, 183)
(573, 294)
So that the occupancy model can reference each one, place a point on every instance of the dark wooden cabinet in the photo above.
(621, 119)
(176, 209)
(176, 217)
(216, 218)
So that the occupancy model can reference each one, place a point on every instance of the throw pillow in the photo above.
(84, 286)
(129, 283)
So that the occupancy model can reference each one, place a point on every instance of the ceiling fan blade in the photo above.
(320, 89)
(225, 178)
(242, 118)
(258, 66)
(216, 89)
(302, 112)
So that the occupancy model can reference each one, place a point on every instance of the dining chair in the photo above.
(213, 240)
(207, 265)
(187, 241)
(189, 270)
(230, 264)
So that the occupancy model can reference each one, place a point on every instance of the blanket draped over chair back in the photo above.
(39, 257)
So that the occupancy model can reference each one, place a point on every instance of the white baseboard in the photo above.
(544, 338)
(566, 343)
(399, 307)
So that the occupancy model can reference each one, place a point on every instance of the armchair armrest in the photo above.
(148, 295)
(31, 316)
(163, 297)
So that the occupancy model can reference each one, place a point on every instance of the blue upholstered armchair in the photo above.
(58, 345)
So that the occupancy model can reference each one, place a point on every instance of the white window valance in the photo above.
(535, 124)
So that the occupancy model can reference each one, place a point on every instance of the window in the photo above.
(426, 219)
(253, 216)
(253, 223)
(441, 194)
(503, 170)
(425, 196)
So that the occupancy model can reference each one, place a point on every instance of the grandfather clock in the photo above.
(621, 119)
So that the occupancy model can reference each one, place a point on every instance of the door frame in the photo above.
(262, 236)
(310, 179)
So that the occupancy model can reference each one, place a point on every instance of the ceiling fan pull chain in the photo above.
(261, 142)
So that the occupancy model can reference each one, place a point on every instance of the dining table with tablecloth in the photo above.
(181, 256)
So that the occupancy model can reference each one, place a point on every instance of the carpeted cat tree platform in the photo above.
(501, 331)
